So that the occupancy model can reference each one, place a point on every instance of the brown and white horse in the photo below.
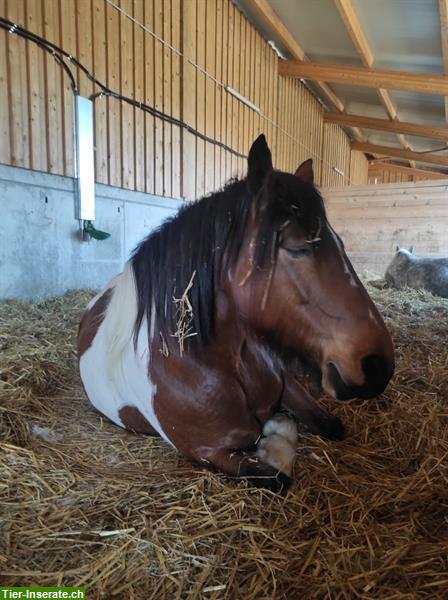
(200, 338)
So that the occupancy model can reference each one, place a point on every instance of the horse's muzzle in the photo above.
(377, 373)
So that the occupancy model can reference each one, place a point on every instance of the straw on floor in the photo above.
(85, 503)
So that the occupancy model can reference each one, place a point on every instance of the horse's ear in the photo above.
(259, 164)
(305, 171)
(411, 250)
(397, 248)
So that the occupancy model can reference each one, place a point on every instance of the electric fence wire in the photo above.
(61, 56)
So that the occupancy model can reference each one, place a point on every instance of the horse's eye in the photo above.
(298, 251)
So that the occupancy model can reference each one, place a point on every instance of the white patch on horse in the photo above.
(93, 301)
(277, 447)
(347, 271)
(114, 374)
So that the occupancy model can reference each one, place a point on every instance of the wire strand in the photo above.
(59, 54)
(222, 84)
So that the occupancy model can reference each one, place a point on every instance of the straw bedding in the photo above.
(85, 503)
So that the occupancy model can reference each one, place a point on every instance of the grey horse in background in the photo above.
(409, 270)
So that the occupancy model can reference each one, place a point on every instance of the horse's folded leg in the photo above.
(308, 414)
(249, 466)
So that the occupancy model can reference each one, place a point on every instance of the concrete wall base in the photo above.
(42, 253)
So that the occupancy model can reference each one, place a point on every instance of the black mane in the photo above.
(204, 238)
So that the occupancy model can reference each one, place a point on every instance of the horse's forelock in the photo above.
(285, 199)
(192, 250)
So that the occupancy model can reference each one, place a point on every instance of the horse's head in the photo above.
(294, 284)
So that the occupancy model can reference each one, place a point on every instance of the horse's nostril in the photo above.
(377, 372)
(375, 367)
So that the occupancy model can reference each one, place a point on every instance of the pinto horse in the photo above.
(199, 339)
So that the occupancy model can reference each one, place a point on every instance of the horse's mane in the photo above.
(188, 253)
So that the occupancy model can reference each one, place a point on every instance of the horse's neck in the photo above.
(234, 338)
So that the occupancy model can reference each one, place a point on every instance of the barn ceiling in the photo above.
(394, 35)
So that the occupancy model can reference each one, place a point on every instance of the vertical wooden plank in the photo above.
(100, 49)
(267, 127)
(235, 85)
(67, 16)
(297, 127)
(167, 104)
(240, 87)
(176, 100)
(36, 89)
(127, 89)
(85, 45)
(229, 100)
(158, 97)
(139, 95)
(257, 82)
(53, 76)
(274, 76)
(189, 160)
(278, 119)
(5, 111)
(223, 93)
(245, 85)
(290, 143)
(218, 53)
(149, 97)
(210, 40)
(18, 88)
(113, 105)
(252, 91)
(200, 96)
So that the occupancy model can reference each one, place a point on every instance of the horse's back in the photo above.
(115, 374)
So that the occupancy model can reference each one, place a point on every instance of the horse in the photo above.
(202, 337)
(418, 272)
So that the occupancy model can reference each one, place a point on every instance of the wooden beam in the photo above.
(433, 133)
(395, 80)
(426, 157)
(273, 23)
(270, 18)
(377, 168)
(388, 104)
(355, 31)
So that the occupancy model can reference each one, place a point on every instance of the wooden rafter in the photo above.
(264, 11)
(426, 157)
(427, 174)
(360, 76)
(353, 26)
(434, 133)
(356, 32)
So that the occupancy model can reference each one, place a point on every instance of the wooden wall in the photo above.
(134, 150)
(379, 172)
(373, 219)
(359, 167)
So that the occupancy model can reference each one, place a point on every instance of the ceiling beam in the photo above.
(443, 11)
(263, 9)
(426, 157)
(375, 167)
(272, 21)
(424, 131)
(395, 80)
(356, 32)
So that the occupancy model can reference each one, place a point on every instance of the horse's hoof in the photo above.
(332, 428)
(278, 483)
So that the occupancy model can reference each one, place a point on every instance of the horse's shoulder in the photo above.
(91, 320)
